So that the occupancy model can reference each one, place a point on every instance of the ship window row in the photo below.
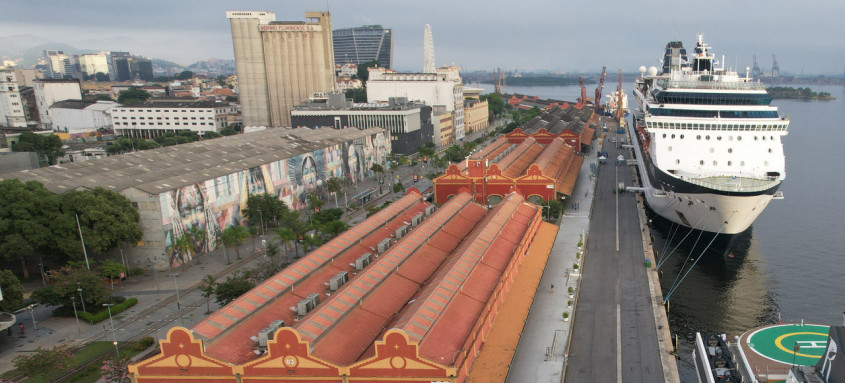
(706, 126)
(713, 113)
(712, 98)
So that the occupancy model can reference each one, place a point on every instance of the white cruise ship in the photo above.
(708, 142)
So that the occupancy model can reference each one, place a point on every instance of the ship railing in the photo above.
(733, 183)
(729, 85)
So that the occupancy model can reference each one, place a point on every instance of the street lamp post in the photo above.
(261, 217)
(113, 335)
(178, 301)
(155, 276)
(78, 329)
(79, 289)
(81, 239)
(34, 324)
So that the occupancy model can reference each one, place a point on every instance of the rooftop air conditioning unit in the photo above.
(267, 333)
(383, 245)
(428, 210)
(337, 281)
(401, 231)
(415, 220)
(305, 306)
(362, 261)
(314, 298)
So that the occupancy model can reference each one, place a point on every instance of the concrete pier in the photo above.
(617, 330)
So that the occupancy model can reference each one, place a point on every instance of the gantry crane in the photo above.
(599, 89)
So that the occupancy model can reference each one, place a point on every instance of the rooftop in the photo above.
(158, 170)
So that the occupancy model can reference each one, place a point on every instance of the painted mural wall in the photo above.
(213, 205)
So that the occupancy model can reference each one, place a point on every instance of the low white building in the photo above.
(445, 87)
(156, 117)
(77, 117)
(48, 92)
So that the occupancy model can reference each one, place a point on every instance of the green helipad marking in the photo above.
(778, 342)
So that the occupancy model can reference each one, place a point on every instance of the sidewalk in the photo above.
(149, 288)
(539, 357)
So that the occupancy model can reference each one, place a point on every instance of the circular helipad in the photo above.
(778, 343)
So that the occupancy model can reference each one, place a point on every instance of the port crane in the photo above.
(620, 112)
(583, 100)
(599, 89)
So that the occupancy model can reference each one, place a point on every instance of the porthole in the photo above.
(698, 137)
(770, 150)
(677, 161)
(730, 150)
(741, 163)
(765, 163)
(673, 136)
(670, 149)
(730, 138)
(739, 138)
(772, 138)
(711, 150)
(682, 136)
(715, 163)
(730, 163)
(755, 138)
(664, 135)
(701, 162)
(706, 137)
(764, 138)
(718, 138)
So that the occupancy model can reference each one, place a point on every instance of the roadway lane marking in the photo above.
(616, 192)
(618, 344)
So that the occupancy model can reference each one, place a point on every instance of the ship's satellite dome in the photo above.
(652, 71)
(642, 69)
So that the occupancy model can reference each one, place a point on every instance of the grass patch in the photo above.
(83, 355)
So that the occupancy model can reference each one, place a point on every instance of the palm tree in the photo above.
(197, 237)
(207, 286)
(334, 185)
(286, 236)
(235, 236)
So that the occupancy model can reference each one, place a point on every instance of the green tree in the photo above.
(103, 97)
(326, 215)
(314, 202)
(291, 221)
(63, 286)
(269, 206)
(286, 236)
(208, 285)
(209, 135)
(233, 287)
(398, 187)
(232, 98)
(377, 168)
(107, 220)
(357, 95)
(363, 71)
(234, 236)
(335, 228)
(228, 131)
(111, 269)
(334, 185)
(44, 361)
(133, 96)
(49, 148)
(12, 291)
(198, 238)
(495, 104)
(26, 213)
(185, 75)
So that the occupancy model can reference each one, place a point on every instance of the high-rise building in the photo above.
(362, 44)
(11, 106)
(119, 66)
(94, 66)
(49, 92)
(140, 68)
(280, 63)
(58, 65)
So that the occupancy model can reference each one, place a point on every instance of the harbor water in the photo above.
(789, 265)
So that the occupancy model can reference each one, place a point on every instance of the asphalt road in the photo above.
(614, 338)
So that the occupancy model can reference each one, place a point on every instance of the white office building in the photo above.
(58, 65)
(77, 117)
(443, 88)
(91, 64)
(155, 118)
(11, 105)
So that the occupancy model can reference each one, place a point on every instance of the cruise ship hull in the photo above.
(695, 206)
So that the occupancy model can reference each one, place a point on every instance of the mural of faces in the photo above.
(218, 203)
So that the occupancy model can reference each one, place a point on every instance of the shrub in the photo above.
(575, 265)
(142, 344)
(570, 290)
(104, 314)
(565, 315)
(569, 303)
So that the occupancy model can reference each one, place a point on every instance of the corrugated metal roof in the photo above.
(163, 169)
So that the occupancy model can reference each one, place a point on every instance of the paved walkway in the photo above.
(539, 358)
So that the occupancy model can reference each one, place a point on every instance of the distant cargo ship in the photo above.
(708, 142)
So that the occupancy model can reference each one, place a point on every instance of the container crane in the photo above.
(599, 89)
(583, 99)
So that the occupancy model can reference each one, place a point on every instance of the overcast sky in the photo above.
(807, 36)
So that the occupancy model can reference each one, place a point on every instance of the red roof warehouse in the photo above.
(408, 295)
